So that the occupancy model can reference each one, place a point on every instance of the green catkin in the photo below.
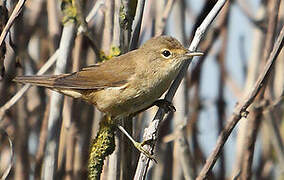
(69, 11)
(114, 51)
(102, 146)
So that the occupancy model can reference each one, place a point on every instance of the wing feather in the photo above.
(112, 73)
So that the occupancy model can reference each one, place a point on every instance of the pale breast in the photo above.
(131, 98)
(139, 93)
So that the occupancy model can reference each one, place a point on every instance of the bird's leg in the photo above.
(138, 145)
(162, 103)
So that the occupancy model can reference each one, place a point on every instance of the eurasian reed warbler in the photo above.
(123, 85)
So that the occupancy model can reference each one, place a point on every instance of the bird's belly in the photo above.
(128, 100)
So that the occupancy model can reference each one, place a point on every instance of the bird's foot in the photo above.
(139, 147)
(165, 104)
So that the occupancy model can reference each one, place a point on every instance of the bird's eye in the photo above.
(166, 53)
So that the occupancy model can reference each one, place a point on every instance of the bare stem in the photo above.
(240, 109)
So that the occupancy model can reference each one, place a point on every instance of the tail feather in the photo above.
(49, 82)
(45, 81)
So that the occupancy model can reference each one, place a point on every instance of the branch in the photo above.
(56, 103)
(4, 17)
(240, 109)
(167, 9)
(137, 25)
(42, 70)
(8, 168)
(245, 7)
(24, 89)
(14, 15)
(255, 120)
(151, 131)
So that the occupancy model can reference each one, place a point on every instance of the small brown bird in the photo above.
(123, 85)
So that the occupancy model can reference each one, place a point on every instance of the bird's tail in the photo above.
(49, 81)
(45, 81)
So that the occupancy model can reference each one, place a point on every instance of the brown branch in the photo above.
(277, 140)
(271, 27)
(42, 70)
(24, 89)
(251, 75)
(137, 23)
(245, 6)
(11, 20)
(221, 105)
(6, 171)
(42, 142)
(240, 109)
(14, 15)
(163, 20)
(108, 27)
(254, 124)
(253, 128)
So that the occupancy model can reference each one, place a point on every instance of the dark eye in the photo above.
(166, 53)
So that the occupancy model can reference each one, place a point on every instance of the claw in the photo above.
(139, 146)
(166, 105)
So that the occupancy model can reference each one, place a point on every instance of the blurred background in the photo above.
(51, 133)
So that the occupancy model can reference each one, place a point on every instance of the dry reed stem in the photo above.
(241, 108)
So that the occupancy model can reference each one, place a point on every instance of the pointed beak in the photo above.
(192, 54)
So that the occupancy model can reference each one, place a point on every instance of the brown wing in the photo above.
(112, 73)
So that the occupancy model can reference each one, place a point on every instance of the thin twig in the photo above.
(14, 15)
(99, 4)
(246, 8)
(167, 10)
(137, 25)
(108, 27)
(182, 155)
(240, 109)
(42, 141)
(251, 76)
(186, 159)
(255, 120)
(276, 138)
(83, 28)
(24, 89)
(221, 105)
(7, 170)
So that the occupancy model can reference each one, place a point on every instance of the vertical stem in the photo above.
(221, 106)
(56, 104)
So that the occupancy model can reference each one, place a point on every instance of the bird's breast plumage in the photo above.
(139, 93)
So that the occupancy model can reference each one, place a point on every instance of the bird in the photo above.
(124, 85)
